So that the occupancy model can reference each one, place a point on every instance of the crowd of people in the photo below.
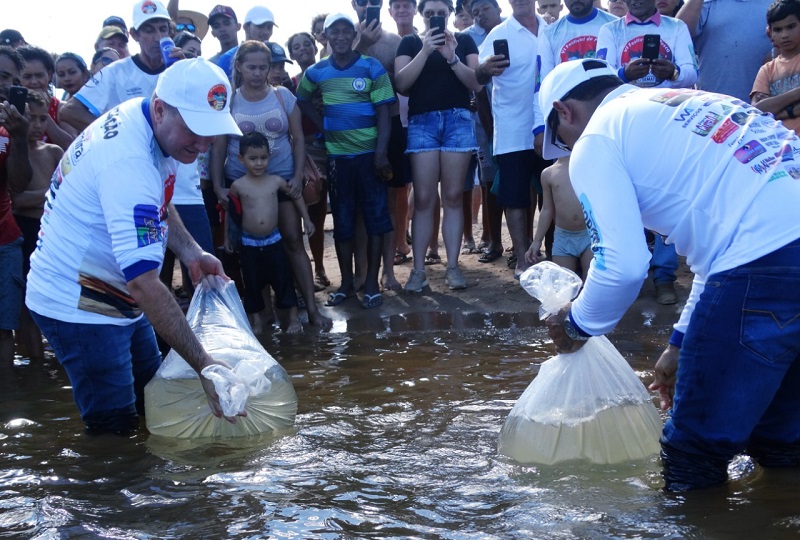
(412, 131)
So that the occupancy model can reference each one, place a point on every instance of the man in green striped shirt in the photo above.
(356, 94)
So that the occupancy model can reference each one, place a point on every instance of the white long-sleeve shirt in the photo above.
(717, 177)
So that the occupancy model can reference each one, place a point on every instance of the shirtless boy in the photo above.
(28, 207)
(254, 197)
(571, 243)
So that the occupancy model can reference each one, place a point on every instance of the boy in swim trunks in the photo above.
(571, 243)
(253, 205)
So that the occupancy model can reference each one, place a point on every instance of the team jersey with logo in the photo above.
(569, 38)
(620, 42)
(117, 83)
(713, 175)
(349, 97)
(104, 221)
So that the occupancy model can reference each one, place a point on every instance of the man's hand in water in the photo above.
(665, 376)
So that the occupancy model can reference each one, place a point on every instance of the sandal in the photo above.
(432, 258)
(334, 299)
(322, 279)
(489, 256)
(512, 261)
(469, 248)
(371, 300)
(401, 258)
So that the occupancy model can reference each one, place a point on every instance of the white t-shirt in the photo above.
(620, 42)
(104, 221)
(117, 83)
(515, 100)
(715, 176)
(567, 39)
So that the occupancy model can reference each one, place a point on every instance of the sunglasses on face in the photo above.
(362, 3)
(105, 60)
(180, 27)
(440, 13)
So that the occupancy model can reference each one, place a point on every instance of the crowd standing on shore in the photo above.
(413, 133)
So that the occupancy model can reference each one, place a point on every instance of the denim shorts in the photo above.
(11, 284)
(354, 186)
(451, 130)
(108, 367)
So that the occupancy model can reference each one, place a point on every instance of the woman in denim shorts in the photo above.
(437, 71)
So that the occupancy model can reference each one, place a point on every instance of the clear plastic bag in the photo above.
(175, 403)
(587, 405)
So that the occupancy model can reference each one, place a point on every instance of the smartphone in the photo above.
(651, 46)
(18, 96)
(437, 25)
(373, 14)
(501, 49)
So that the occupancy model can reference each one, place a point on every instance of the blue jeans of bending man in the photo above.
(108, 367)
(738, 380)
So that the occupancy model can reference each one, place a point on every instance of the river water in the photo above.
(395, 437)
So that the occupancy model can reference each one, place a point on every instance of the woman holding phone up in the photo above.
(436, 69)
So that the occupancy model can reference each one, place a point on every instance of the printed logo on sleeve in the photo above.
(148, 225)
(594, 233)
(749, 151)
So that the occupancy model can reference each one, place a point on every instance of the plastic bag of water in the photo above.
(175, 403)
(588, 405)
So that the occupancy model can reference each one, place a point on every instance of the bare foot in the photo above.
(256, 324)
(294, 326)
(317, 319)
(390, 283)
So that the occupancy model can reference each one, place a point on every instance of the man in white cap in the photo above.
(128, 78)
(93, 288)
(258, 25)
(718, 179)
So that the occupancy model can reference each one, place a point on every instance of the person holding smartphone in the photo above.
(436, 69)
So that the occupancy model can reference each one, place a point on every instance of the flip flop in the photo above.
(432, 258)
(334, 299)
(512, 261)
(371, 300)
(401, 258)
(489, 256)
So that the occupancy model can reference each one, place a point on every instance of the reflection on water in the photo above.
(395, 437)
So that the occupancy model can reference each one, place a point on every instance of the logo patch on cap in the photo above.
(149, 7)
(218, 97)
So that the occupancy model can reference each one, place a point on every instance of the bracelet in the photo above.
(790, 110)
(453, 63)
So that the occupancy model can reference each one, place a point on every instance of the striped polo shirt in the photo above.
(349, 96)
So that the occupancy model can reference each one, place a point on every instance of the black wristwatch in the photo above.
(572, 332)
(790, 110)
(454, 62)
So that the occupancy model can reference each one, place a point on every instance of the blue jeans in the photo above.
(108, 367)
(738, 384)
(664, 261)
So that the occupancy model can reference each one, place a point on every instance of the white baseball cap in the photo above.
(201, 93)
(557, 84)
(333, 17)
(145, 10)
(259, 15)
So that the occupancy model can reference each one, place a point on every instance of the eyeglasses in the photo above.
(105, 60)
(362, 3)
(180, 27)
(553, 122)
(440, 13)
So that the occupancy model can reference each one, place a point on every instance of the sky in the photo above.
(60, 26)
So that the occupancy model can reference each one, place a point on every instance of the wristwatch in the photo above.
(675, 74)
(454, 62)
(572, 332)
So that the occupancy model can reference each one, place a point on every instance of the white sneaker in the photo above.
(454, 279)
(417, 281)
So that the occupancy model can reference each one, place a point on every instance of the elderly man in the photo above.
(93, 288)
(727, 200)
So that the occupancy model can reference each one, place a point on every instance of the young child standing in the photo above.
(777, 85)
(28, 207)
(571, 242)
(253, 199)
